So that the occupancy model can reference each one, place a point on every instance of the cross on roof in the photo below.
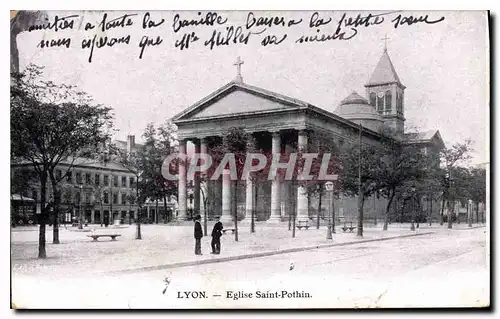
(238, 64)
(385, 42)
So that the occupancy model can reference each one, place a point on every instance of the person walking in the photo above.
(198, 234)
(216, 235)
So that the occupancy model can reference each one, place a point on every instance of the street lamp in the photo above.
(329, 189)
(413, 207)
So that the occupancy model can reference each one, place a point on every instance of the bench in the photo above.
(303, 224)
(350, 228)
(96, 236)
(232, 230)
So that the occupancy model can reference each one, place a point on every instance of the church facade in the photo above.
(282, 124)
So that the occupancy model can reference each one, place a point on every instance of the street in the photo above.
(443, 269)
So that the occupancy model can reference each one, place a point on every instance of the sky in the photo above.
(443, 65)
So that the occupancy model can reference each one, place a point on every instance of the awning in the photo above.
(18, 197)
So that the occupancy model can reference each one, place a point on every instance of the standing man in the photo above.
(216, 234)
(198, 234)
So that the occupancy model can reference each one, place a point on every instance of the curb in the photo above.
(257, 255)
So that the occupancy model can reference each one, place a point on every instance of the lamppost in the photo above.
(413, 207)
(469, 212)
(329, 189)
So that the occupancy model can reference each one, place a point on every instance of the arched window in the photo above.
(373, 99)
(388, 102)
(380, 103)
(399, 103)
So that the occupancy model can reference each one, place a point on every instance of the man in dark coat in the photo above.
(198, 234)
(216, 235)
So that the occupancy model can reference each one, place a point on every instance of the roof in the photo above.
(355, 107)
(384, 72)
(425, 137)
(84, 162)
(354, 98)
(123, 144)
(230, 87)
(293, 105)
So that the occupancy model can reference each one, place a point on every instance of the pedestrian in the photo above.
(216, 235)
(198, 234)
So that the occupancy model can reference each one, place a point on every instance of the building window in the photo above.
(97, 179)
(69, 176)
(77, 197)
(106, 180)
(132, 182)
(399, 103)
(115, 198)
(106, 198)
(115, 181)
(373, 99)
(58, 174)
(87, 178)
(388, 102)
(87, 198)
(124, 181)
(35, 195)
(380, 104)
(78, 177)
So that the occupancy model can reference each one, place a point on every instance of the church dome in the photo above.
(356, 109)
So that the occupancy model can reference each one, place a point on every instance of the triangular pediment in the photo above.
(238, 98)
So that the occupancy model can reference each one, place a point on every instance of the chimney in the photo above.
(130, 143)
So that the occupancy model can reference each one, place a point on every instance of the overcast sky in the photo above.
(443, 65)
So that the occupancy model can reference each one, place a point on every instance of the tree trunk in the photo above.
(477, 212)
(234, 206)
(254, 207)
(451, 210)
(387, 210)
(441, 219)
(156, 212)
(430, 212)
(57, 200)
(294, 183)
(361, 203)
(164, 210)
(138, 234)
(102, 212)
(42, 253)
(319, 206)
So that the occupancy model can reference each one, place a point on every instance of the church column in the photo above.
(226, 197)
(196, 177)
(302, 200)
(182, 204)
(204, 183)
(92, 216)
(275, 187)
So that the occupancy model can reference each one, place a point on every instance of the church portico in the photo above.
(283, 125)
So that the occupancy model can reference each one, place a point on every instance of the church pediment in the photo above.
(238, 98)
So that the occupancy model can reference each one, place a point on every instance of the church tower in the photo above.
(385, 93)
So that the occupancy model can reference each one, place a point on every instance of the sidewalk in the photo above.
(169, 247)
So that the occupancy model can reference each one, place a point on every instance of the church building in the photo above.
(280, 124)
